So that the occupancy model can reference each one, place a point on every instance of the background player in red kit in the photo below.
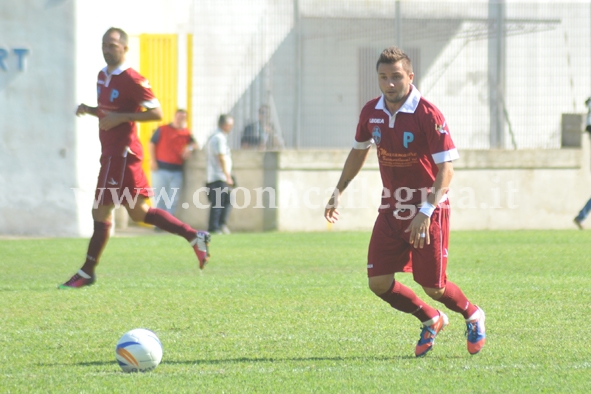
(122, 93)
(415, 153)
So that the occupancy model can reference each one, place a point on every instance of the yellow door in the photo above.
(158, 63)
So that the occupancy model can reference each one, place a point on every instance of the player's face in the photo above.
(394, 82)
(113, 50)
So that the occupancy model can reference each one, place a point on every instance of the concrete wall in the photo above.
(537, 189)
(37, 126)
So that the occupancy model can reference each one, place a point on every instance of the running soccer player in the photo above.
(122, 93)
(415, 154)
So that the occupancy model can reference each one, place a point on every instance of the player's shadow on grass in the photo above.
(242, 360)
(279, 359)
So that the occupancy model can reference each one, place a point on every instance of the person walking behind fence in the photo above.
(219, 176)
(122, 95)
(580, 218)
(415, 153)
(170, 146)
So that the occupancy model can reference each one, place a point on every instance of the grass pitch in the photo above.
(291, 313)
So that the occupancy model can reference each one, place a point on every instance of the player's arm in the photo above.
(353, 164)
(421, 222)
(84, 109)
(442, 182)
(113, 119)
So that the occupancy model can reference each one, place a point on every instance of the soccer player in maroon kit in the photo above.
(122, 93)
(415, 154)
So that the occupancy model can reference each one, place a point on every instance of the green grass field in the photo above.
(291, 313)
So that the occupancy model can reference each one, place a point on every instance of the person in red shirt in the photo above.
(121, 94)
(170, 146)
(415, 153)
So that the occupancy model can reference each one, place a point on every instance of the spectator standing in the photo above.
(219, 176)
(170, 146)
(261, 134)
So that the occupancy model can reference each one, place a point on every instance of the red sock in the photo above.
(405, 300)
(95, 247)
(167, 222)
(455, 300)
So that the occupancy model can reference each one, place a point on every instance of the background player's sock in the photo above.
(99, 239)
(167, 222)
(455, 300)
(405, 300)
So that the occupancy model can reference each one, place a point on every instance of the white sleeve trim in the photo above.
(154, 103)
(448, 155)
(363, 145)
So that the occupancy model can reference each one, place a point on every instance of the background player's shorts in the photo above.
(390, 250)
(121, 178)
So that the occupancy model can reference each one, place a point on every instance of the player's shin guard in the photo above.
(167, 222)
(405, 300)
(455, 300)
(99, 239)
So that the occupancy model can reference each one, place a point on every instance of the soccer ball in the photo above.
(138, 350)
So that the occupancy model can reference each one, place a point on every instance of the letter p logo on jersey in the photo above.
(407, 138)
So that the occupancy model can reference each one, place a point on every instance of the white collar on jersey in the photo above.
(117, 71)
(409, 106)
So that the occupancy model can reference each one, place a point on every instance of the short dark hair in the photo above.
(181, 110)
(393, 55)
(122, 34)
(224, 119)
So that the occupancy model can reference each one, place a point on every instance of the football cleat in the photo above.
(476, 333)
(429, 333)
(78, 281)
(201, 247)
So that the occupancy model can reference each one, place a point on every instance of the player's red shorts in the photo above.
(122, 178)
(390, 250)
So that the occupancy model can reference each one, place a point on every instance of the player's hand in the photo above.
(111, 119)
(419, 230)
(154, 165)
(331, 214)
(82, 110)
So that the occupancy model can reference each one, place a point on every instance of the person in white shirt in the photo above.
(219, 176)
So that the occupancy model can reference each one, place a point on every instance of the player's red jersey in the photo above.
(410, 144)
(125, 91)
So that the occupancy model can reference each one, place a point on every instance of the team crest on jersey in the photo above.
(442, 128)
(377, 135)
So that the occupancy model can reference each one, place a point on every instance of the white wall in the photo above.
(45, 151)
(37, 127)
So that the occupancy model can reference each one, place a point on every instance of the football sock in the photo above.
(167, 222)
(84, 274)
(474, 316)
(99, 239)
(455, 300)
(431, 321)
(402, 298)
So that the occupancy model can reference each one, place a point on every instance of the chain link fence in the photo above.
(503, 73)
